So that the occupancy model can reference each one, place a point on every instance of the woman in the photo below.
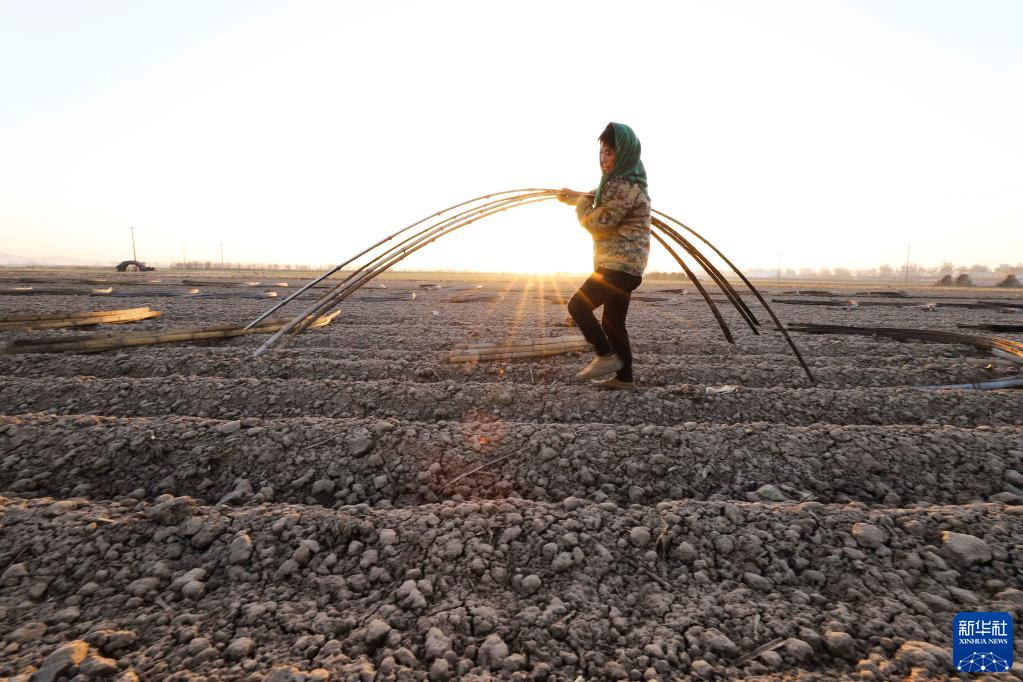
(617, 215)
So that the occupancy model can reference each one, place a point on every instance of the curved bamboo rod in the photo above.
(311, 312)
(431, 233)
(716, 277)
(719, 279)
(770, 311)
(330, 272)
(360, 276)
(353, 279)
(428, 236)
(699, 287)
(394, 255)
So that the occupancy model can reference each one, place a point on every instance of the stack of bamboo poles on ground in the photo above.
(515, 350)
(192, 282)
(102, 342)
(129, 279)
(1003, 348)
(931, 305)
(1006, 349)
(993, 327)
(889, 293)
(397, 296)
(35, 321)
(55, 291)
(455, 217)
(485, 297)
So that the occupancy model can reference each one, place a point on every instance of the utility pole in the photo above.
(907, 263)
(221, 255)
(183, 259)
(133, 256)
(779, 266)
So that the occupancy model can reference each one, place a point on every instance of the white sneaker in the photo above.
(602, 365)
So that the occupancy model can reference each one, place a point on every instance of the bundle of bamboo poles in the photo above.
(993, 327)
(36, 321)
(95, 343)
(839, 303)
(455, 217)
(1006, 349)
(514, 350)
(193, 282)
(474, 298)
(55, 291)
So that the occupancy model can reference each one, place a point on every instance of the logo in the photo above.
(982, 641)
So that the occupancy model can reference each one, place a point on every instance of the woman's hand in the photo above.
(568, 196)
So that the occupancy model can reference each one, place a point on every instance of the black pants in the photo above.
(613, 290)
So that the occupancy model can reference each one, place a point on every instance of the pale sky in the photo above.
(833, 132)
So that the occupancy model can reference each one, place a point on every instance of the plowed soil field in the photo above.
(353, 507)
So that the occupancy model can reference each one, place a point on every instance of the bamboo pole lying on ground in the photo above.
(189, 282)
(527, 350)
(1004, 355)
(990, 343)
(39, 317)
(1001, 304)
(474, 298)
(993, 327)
(884, 292)
(1010, 382)
(35, 321)
(511, 347)
(838, 303)
(31, 291)
(411, 296)
(102, 342)
(567, 338)
(132, 279)
(810, 292)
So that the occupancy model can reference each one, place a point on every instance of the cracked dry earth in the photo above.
(189, 512)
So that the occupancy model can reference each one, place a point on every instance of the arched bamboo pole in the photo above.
(770, 311)
(395, 254)
(716, 276)
(368, 274)
(359, 277)
(699, 287)
(362, 253)
(490, 206)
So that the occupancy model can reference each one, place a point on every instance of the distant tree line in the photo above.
(216, 265)
(880, 273)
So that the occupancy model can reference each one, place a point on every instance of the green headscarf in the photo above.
(627, 163)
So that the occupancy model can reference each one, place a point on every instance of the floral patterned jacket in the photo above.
(620, 225)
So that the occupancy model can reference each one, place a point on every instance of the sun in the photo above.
(539, 239)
